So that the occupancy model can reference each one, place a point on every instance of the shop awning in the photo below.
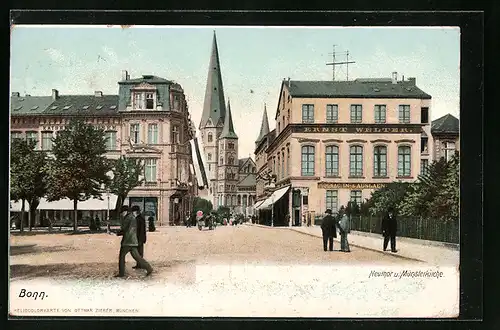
(275, 196)
(258, 203)
(92, 204)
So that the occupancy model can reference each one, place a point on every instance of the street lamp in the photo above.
(110, 175)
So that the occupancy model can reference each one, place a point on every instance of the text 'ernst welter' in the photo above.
(407, 273)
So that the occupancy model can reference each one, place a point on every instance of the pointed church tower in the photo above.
(228, 162)
(212, 121)
(264, 127)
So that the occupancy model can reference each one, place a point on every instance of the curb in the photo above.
(336, 240)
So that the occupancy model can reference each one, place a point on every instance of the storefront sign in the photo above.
(350, 186)
(360, 129)
(62, 127)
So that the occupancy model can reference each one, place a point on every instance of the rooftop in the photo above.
(445, 125)
(84, 105)
(28, 105)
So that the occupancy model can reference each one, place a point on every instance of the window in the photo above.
(150, 101)
(424, 166)
(404, 161)
(449, 150)
(332, 200)
(356, 113)
(307, 161)
(282, 165)
(209, 156)
(175, 134)
(404, 114)
(284, 122)
(15, 135)
(110, 140)
(332, 161)
(46, 140)
(423, 145)
(150, 169)
(231, 160)
(279, 163)
(356, 161)
(380, 161)
(308, 113)
(356, 197)
(210, 137)
(32, 136)
(153, 133)
(380, 111)
(424, 115)
(332, 113)
(138, 102)
(230, 145)
(287, 161)
(279, 127)
(176, 102)
(221, 161)
(134, 133)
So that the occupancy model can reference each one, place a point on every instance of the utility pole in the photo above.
(333, 63)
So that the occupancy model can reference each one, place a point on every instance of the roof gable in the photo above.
(446, 124)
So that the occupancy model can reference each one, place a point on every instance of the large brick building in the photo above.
(148, 119)
(337, 141)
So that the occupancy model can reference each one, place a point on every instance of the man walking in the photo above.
(130, 243)
(141, 232)
(329, 230)
(389, 229)
(344, 229)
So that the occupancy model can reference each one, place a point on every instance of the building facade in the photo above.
(148, 119)
(337, 141)
(227, 187)
(446, 136)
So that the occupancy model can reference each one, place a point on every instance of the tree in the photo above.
(127, 174)
(201, 204)
(78, 170)
(390, 196)
(28, 176)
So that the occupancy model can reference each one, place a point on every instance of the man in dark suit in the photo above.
(328, 226)
(141, 232)
(389, 229)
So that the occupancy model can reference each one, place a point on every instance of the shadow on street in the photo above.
(35, 249)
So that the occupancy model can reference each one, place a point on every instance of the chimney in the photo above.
(288, 81)
(394, 77)
(15, 94)
(412, 80)
(55, 94)
(98, 94)
(125, 75)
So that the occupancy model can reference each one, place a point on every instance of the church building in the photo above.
(231, 180)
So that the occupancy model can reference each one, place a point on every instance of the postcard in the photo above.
(230, 171)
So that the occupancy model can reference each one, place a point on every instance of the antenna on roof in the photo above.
(333, 63)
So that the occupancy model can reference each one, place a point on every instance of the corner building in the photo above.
(337, 141)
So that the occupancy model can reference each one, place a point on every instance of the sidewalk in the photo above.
(412, 249)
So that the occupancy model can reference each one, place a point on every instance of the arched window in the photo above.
(239, 200)
(332, 160)
(231, 160)
(356, 161)
(380, 161)
(209, 156)
(404, 161)
(307, 160)
(221, 161)
(210, 137)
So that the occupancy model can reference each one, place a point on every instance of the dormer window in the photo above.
(143, 100)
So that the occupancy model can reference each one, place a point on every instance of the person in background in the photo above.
(344, 229)
(389, 229)
(329, 230)
(129, 243)
(141, 232)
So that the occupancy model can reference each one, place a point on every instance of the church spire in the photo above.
(214, 108)
(228, 130)
(264, 126)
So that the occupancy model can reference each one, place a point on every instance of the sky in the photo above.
(254, 61)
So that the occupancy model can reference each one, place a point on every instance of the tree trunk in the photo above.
(29, 218)
(75, 210)
(21, 227)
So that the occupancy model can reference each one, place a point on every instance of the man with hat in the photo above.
(141, 231)
(130, 243)
(328, 227)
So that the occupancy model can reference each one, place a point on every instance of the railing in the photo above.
(411, 227)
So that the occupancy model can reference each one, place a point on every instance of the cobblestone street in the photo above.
(173, 252)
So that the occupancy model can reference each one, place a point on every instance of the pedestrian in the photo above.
(130, 243)
(344, 229)
(141, 232)
(389, 229)
(329, 230)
